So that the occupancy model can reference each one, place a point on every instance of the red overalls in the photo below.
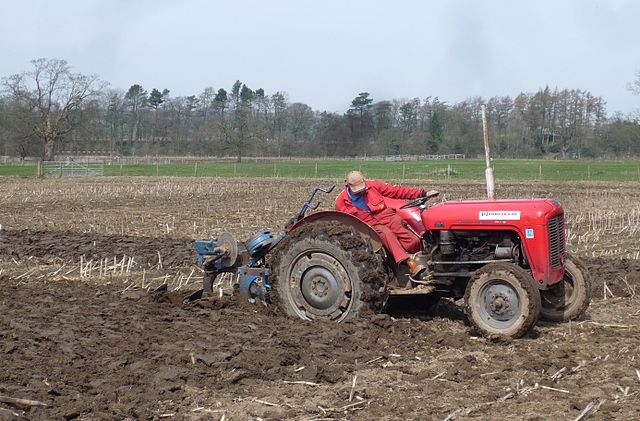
(389, 226)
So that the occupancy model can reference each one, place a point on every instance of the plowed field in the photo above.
(87, 329)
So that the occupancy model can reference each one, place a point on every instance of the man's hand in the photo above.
(431, 193)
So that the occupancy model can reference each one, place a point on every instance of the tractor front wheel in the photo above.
(569, 298)
(326, 270)
(502, 300)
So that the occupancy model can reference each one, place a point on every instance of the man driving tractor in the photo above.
(364, 199)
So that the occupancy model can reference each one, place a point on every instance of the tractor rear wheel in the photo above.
(502, 300)
(326, 270)
(569, 298)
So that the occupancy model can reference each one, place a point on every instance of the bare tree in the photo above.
(300, 121)
(114, 106)
(238, 132)
(48, 98)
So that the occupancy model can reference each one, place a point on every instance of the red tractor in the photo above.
(505, 258)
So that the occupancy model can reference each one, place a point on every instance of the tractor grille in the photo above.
(556, 240)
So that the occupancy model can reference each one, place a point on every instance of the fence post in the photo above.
(195, 170)
(540, 172)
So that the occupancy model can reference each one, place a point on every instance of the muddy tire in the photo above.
(502, 300)
(326, 270)
(568, 299)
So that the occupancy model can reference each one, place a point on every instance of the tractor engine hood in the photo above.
(539, 224)
(497, 213)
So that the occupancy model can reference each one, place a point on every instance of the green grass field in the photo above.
(22, 170)
(508, 170)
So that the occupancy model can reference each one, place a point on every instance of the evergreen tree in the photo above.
(220, 102)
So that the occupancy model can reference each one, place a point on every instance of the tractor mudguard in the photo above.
(344, 218)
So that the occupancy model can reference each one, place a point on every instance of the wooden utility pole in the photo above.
(487, 154)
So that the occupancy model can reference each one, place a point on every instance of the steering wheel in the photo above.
(421, 200)
(415, 202)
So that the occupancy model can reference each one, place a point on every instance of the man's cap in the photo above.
(355, 180)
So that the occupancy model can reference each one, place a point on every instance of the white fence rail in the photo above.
(416, 157)
(72, 169)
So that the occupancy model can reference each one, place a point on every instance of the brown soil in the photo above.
(102, 347)
(63, 246)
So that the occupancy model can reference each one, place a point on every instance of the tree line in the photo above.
(49, 109)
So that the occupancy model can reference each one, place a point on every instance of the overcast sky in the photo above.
(325, 52)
